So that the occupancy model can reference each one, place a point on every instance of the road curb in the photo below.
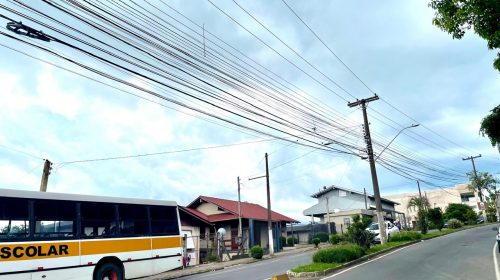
(367, 257)
(223, 265)
(347, 264)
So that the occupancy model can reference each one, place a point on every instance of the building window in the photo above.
(342, 193)
(347, 222)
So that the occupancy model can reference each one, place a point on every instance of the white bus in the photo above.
(64, 236)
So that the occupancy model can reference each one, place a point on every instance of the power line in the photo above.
(20, 152)
(166, 152)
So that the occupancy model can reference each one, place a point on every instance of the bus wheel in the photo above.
(109, 271)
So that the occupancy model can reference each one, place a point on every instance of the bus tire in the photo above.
(108, 271)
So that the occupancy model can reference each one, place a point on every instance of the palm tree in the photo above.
(420, 203)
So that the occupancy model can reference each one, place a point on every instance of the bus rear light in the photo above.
(129, 259)
(89, 263)
(157, 256)
(40, 268)
(178, 254)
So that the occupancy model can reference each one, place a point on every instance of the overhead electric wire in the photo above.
(253, 86)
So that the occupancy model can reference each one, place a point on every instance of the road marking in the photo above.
(353, 267)
(497, 273)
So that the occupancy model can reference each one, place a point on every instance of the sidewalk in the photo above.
(201, 268)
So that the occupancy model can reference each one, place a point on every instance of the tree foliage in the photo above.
(435, 216)
(461, 212)
(484, 181)
(358, 234)
(458, 16)
(420, 204)
(490, 125)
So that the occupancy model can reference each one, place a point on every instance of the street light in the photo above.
(413, 125)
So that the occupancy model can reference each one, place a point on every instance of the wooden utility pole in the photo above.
(45, 175)
(373, 170)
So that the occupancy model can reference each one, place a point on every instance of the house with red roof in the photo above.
(218, 213)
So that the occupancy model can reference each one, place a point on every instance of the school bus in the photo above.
(65, 236)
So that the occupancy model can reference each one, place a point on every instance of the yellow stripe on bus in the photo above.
(31, 251)
(114, 246)
(167, 242)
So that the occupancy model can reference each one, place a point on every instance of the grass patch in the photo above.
(380, 247)
(437, 233)
(314, 267)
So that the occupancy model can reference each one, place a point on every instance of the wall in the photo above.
(437, 198)
(195, 238)
(209, 209)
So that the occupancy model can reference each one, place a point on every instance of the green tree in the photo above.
(487, 183)
(458, 211)
(490, 126)
(420, 204)
(435, 216)
(358, 234)
(458, 16)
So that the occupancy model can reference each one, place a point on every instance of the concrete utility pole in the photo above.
(366, 203)
(269, 221)
(328, 216)
(45, 175)
(373, 170)
(471, 158)
(240, 231)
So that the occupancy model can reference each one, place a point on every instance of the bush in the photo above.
(405, 236)
(454, 223)
(211, 256)
(316, 241)
(256, 252)
(339, 254)
(335, 239)
(435, 217)
(358, 234)
(292, 240)
(282, 241)
(458, 211)
(323, 236)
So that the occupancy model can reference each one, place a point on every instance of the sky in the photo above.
(445, 85)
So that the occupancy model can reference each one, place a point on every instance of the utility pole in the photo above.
(425, 194)
(471, 158)
(328, 216)
(47, 166)
(366, 203)
(373, 170)
(240, 231)
(269, 221)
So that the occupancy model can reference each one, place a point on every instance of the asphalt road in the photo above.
(259, 270)
(465, 254)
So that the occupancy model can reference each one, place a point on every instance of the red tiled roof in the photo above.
(248, 210)
(222, 217)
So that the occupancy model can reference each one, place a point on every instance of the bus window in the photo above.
(98, 220)
(54, 219)
(164, 220)
(133, 220)
(14, 218)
